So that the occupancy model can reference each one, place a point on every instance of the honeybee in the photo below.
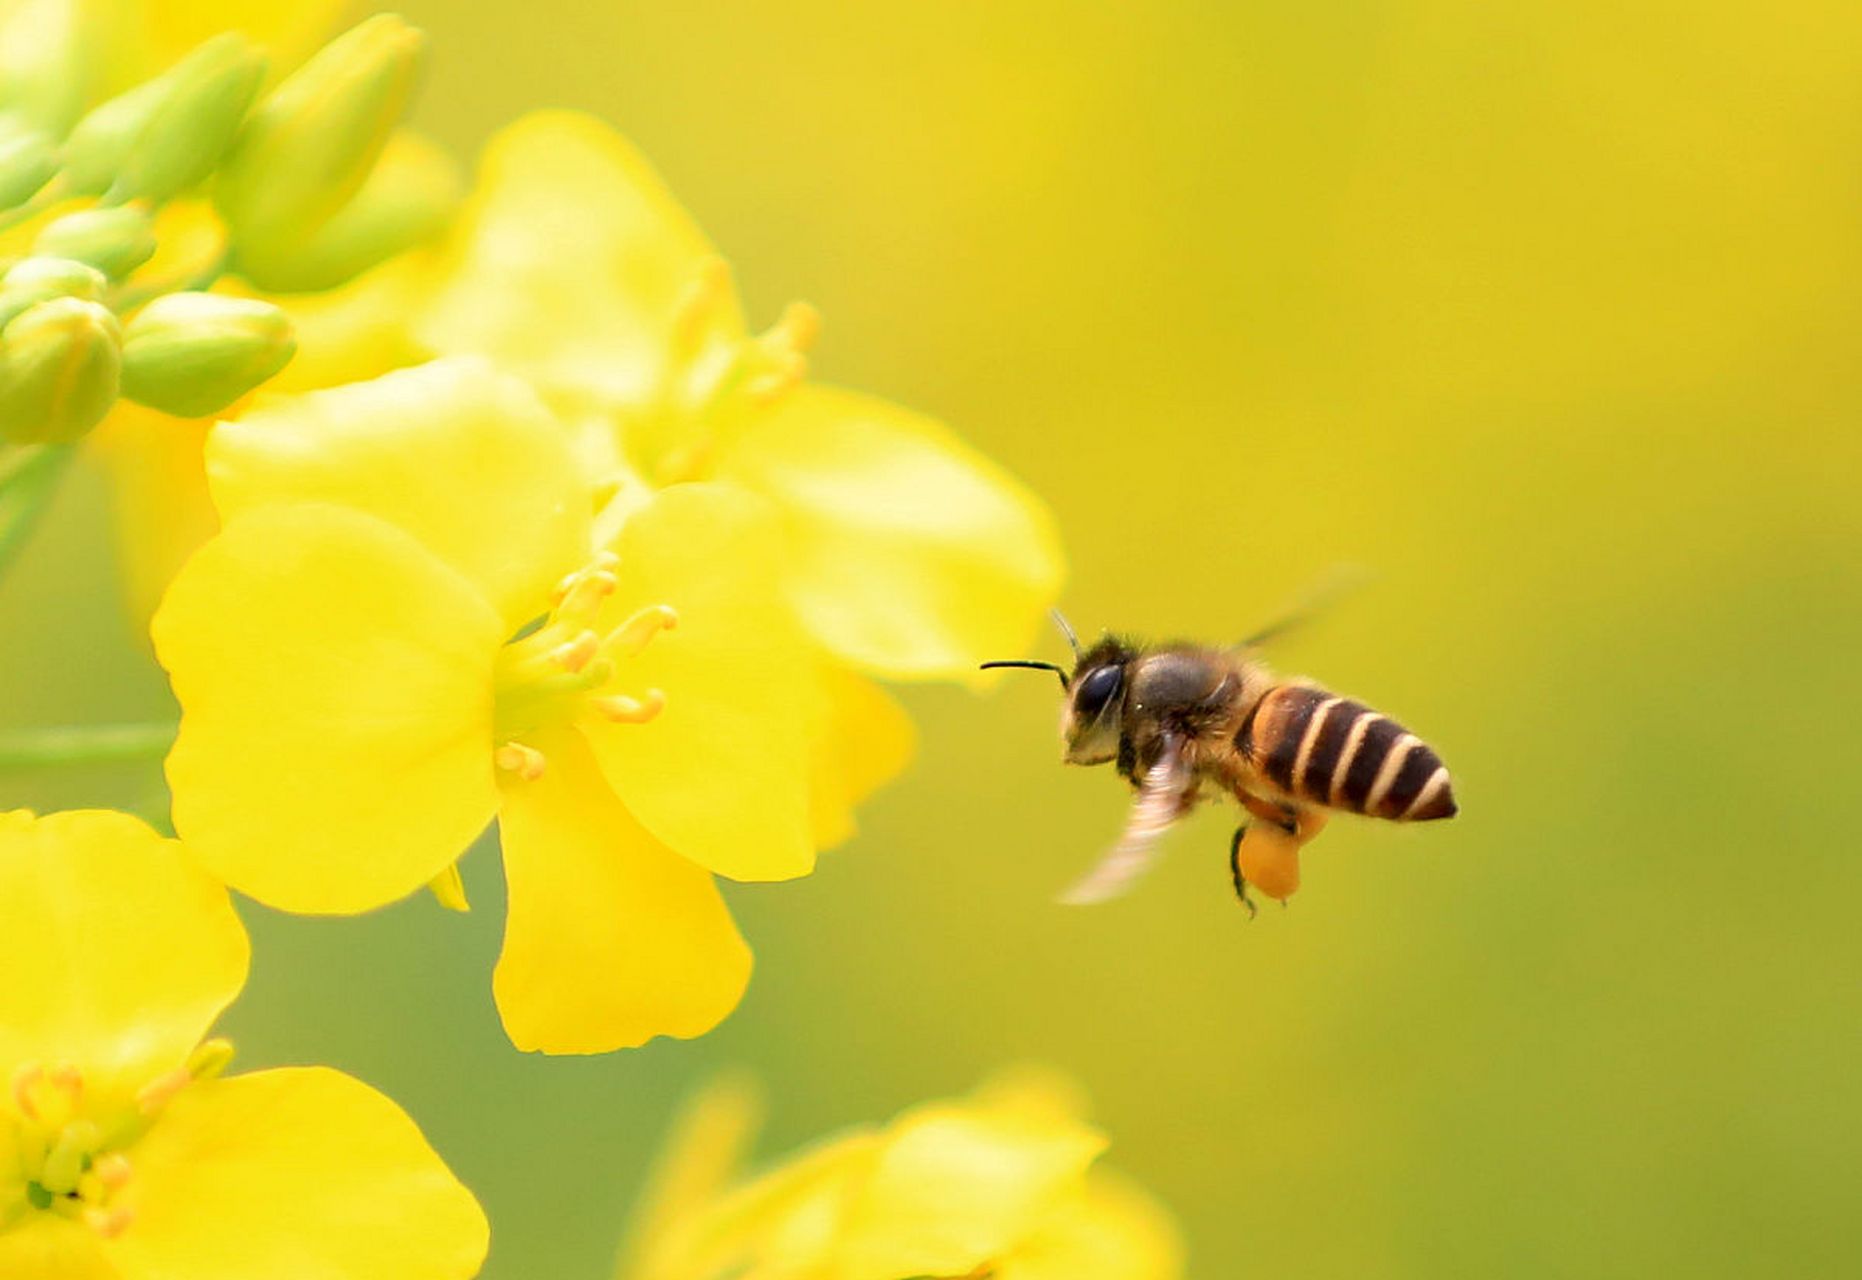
(1181, 718)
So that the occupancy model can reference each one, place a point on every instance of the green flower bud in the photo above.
(33, 280)
(60, 362)
(115, 240)
(102, 141)
(161, 138)
(53, 57)
(192, 354)
(412, 194)
(308, 146)
(28, 159)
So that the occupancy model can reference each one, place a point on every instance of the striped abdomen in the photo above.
(1331, 751)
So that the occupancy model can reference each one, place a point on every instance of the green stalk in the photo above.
(85, 744)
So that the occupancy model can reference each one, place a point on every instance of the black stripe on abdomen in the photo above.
(1315, 780)
(1366, 761)
(1411, 777)
(1289, 711)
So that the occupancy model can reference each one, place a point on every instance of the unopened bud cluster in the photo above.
(312, 181)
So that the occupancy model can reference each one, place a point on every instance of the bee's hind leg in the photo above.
(1234, 867)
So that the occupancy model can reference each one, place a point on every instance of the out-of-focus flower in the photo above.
(404, 629)
(190, 181)
(1002, 1185)
(124, 1152)
(906, 553)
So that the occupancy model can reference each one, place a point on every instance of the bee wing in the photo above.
(1162, 799)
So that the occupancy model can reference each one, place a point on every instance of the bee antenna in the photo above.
(1066, 629)
(1029, 665)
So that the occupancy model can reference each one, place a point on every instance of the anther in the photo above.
(638, 630)
(26, 1082)
(797, 329)
(109, 1223)
(210, 1058)
(766, 389)
(590, 588)
(159, 1092)
(113, 1171)
(573, 655)
(699, 302)
(526, 762)
(603, 560)
(622, 709)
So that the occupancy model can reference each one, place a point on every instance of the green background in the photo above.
(1545, 313)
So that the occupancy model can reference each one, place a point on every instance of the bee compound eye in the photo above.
(1097, 688)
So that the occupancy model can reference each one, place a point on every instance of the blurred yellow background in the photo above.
(1546, 313)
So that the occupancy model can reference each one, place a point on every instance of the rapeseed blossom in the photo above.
(1002, 1185)
(125, 1153)
(404, 630)
(906, 553)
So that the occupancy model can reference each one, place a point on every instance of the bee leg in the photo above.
(1283, 816)
(1234, 867)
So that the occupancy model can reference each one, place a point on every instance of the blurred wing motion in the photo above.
(1162, 799)
(1341, 580)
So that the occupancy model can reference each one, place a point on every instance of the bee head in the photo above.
(1094, 713)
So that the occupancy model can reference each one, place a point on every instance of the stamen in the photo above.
(159, 1092)
(699, 303)
(638, 630)
(109, 1223)
(573, 655)
(602, 560)
(586, 593)
(622, 709)
(766, 389)
(210, 1058)
(113, 1171)
(797, 329)
(26, 1081)
(526, 762)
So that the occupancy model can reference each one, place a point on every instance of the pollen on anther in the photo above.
(109, 1223)
(622, 709)
(526, 762)
(798, 328)
(113, 1170)
(639, 628)
(159, 1092)
(25, 1084)
(575, 654)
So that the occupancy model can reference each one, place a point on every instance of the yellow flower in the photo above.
(906, 554)
(123, 1153)
(1001, 1185)
(404, 630)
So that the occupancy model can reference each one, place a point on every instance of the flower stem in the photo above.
(85, 744)
(29, 476)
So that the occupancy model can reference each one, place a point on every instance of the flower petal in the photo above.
(955, 1187)
(610, 938)
(915, 556)
(120, 951)
(296, 1174)
(572, 261)
(720, 775)
(45, 1246)
(162, 511)
(335, 682)
(1110, 1230)
(460, 456)
(864, 741)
